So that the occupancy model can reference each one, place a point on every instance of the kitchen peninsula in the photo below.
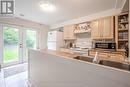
(88, 58)
(59, 69)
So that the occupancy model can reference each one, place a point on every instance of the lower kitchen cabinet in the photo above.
(66, 50)
(117, 56)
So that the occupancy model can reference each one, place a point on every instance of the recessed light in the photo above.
(46, 6)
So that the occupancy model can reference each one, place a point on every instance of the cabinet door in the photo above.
(95, 33)
(107, 28)
(66, 35)
(69, 32)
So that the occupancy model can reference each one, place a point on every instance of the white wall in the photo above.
(91, 17)
(43, 29)
(43, 38)
(47, 70)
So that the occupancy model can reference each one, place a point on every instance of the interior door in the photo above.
(11, 45)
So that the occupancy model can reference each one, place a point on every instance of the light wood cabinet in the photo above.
(108, 28)
(117, 56)
(95, 33)
(66, 50)
(69, 32)
(122, 31)
(103, 28)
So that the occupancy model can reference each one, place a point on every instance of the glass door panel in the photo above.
(31, 41)
(16, 43)
(11, 44)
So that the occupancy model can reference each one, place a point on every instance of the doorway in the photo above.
(16, 42)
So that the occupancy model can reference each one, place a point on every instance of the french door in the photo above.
(30, 40)
(16, 42)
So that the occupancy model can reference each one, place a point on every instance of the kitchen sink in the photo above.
(115, 64)
(106, 63)
(87, 59)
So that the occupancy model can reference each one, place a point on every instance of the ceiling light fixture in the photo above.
(46, 6)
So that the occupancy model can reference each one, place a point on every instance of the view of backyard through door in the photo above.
(11, 44)
(16, 44)
(31, 41)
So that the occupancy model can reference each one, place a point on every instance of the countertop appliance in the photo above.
(105, 45)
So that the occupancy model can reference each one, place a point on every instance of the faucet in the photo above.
(96, 58)
(125, 57)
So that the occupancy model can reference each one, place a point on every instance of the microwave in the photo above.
(104, 45)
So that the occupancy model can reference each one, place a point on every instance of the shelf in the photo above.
(123, 30)
(123, 40)
(124, 13)
(120, 50)
(126, 22)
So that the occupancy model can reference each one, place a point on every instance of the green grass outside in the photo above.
(10, 55)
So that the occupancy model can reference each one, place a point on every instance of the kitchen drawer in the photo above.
(104, 55)
(62, 49)
(108, 55)
(66, 50)
(117, 57)
(92, 53)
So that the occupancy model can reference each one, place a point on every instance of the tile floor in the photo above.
(16, 76)
(18, 80)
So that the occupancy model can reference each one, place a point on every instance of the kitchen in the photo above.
(83, 55)
(93, 53)
(101, 39)
(65, 43)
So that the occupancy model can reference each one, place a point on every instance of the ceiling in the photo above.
(126, 6)
(65, 9)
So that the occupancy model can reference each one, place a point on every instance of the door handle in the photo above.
(20, 45)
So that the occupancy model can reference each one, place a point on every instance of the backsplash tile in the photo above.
(84, 40)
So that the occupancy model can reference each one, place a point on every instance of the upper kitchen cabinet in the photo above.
(103, 28)
(69, 32)
(95, 32)
(107, 27)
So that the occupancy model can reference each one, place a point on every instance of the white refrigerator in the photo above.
(55, 40)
